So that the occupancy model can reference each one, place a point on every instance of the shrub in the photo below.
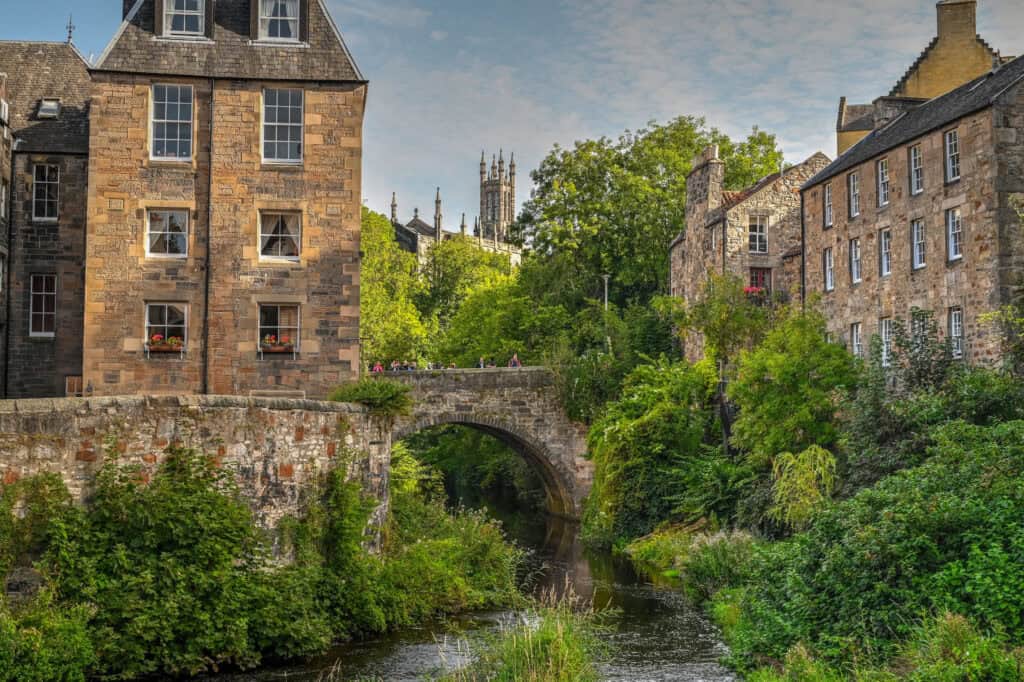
(382, 396)
(717, 562)
(44, 643)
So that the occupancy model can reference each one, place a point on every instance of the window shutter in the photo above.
(158, 17)
(254, 19)
(304, 6)
(210, 14)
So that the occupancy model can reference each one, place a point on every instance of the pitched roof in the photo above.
(855, 117)
(979, 94)
(37, 70)
(231, 53)
(421, 227)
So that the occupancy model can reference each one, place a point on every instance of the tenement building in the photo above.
(955, 56)
(753, 234)
(925, 213)
(187, 211)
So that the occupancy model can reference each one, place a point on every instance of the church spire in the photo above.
(437, 215)
(394, 207)
(462, 227)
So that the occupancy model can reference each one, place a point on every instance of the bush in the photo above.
(44, 643)
(717, 562)
(382, 396)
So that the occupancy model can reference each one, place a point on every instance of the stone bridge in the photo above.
(521, 407)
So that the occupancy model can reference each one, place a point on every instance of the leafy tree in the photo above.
(803, 484)
(454, 268)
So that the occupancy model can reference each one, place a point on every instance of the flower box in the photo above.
(277, 348)
(165, 348)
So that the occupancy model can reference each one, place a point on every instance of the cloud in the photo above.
(438, 35)
(398, 14)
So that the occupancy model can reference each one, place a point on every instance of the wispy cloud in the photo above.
(398, 14)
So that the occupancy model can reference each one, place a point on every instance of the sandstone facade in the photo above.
(6, 148)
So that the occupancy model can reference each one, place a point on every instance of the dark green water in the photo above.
(653, 634)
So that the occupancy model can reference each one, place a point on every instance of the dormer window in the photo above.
(49, 108)
(279, 20)
(184, 17)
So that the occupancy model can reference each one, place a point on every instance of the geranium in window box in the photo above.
(273, 344)
(158, 344)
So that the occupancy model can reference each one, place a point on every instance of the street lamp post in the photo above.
(606, 278)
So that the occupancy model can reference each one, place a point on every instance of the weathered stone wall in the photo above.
(6, 144)
(520, 407)
(277, 447)
(1008, 118)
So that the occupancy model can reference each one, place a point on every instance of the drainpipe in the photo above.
(205, 388)
(803, 253)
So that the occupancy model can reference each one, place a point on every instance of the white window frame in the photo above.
(301, 125)
(885, 331)
(153, 121)
(264, 34)
(149, 232)
(35, 198)
(857, 339)
(288, 259)
(3, 199)
(956, 332)
(885, 252)
(298, 322)
(829, 268)
(951, 145)
(853, 191)
(856, 265)
(829, 215)
(49, 108)
(918, 246)
(757, 234)
(170, 12)
(916, 170)
(37, 287)
(5, 112)
(882, 173)
(165, 304)
(954, 235)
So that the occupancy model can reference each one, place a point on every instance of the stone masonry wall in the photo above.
(6, 144)
(277, 447)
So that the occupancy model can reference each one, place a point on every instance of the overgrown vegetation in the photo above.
(382, 396)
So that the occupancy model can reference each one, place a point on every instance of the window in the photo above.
(886, 332)
(184, 17)
(48, 108)
(43, 305)
(853, 182)
(917, 244)
(282, 125)
(856, 340)
(279, 328)
(916, 170)
(166, 326)
(168, 233)
(885, 253)
(954, 234)
(828, 267)
(761, 278)
(855, 261)
(828, 205)
(5, 112)
(758, 234)
(73, 387)
(172, 121)
(952, 156)
(883, 182)
(956, 332)
(3, 199)
(279, 20)
(45, 192)
(280, 235)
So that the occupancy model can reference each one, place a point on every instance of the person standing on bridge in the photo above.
(482, 364)
(514, 362)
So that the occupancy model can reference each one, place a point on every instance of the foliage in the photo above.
(455, 267)
(727, 318)
(26, 509)
(803, 484)
(710, 486)
(42, 642)
(921, 361)
(382, 396)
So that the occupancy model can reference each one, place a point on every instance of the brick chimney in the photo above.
(958, 20)
(704, 186)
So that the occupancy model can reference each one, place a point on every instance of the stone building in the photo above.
(753, 234)
(955, 56)
(923, 213)
(48, 134)
(6, 147)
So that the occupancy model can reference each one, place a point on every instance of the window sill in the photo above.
(45, 221)
(280, 262)
(270, 42)
(165, 351)
(195, 38)
(269, 353)
(954, 181)
(42, 337)
(268, 164)
(954, 261)
(914, 195)
(166, 257)
(172, 160)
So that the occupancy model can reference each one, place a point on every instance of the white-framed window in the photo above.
(956, 332)
(279, 20)
(828, 205)
(42, 305)
(954, 234)
(282, 125)
(49, 107)
(3, 199)
(172, 122)
(280, 235)
(885, 253)
(758, 234)
(167, 233)
(829, 268)
(279, 327)
(856, 340)
(952, 146)
(855, 261)
(853, 188)
(882, 173)
(184, 17)
(885, 330)
(167, 325)
(917, 244)
(916, 170)
(45, 192)
(5, 112)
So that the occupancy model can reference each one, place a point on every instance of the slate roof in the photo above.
(857, 117)
(936, 113)
(231, 53)
(421, 227)
(36, 70)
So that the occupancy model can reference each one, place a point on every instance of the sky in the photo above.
(450, 78)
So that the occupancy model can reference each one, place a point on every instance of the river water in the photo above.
(652, 633)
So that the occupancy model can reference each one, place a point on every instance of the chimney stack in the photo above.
(958, 20)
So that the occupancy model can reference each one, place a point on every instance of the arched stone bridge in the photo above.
(518, 406)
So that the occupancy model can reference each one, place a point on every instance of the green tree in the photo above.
(455, 267)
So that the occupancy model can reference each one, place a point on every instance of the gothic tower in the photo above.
(497, 197)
